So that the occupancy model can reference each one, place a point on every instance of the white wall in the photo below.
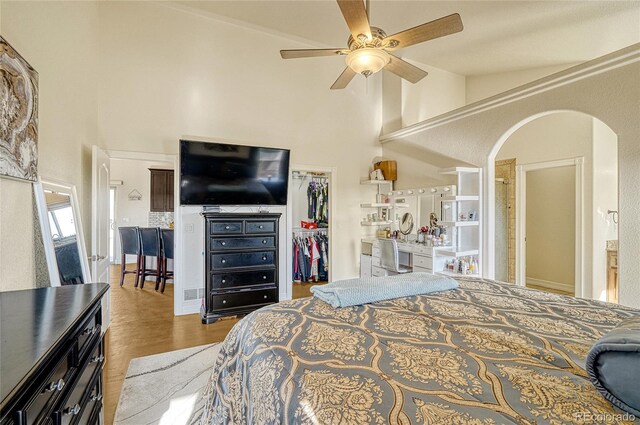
(480, 87)
(209, 80)
(439, 92)
(59, 41)
(612, 95)
(551, 227)
(605, 179)
(138, 76)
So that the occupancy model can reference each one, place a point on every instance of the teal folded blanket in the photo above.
(345, 293)
(613, 365)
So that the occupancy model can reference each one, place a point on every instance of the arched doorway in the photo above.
(559, 140)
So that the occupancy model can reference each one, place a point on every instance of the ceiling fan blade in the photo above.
(405, 70)
(355, 14)
(344, 79)
(439, 28)
(310, 53)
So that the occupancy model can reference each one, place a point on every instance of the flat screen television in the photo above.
(224, 174)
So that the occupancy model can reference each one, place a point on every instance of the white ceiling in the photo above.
(499, 36)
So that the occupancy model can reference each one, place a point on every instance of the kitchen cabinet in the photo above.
(162, 190)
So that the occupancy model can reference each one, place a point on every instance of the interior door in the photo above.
(100, 224)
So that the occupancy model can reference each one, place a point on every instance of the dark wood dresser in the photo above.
(51, 355)
(241, 263)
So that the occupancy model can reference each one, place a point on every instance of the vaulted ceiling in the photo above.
(498, 36)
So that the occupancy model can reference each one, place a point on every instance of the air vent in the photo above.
(193, 294)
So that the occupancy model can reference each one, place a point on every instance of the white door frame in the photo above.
(333, 179)
(173, 159)
(521, 218)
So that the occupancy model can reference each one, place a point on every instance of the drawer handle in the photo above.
(72, 410)
(223, 243)
(224, 301)
(264, 258)
(90, 331)
(223, 261)
(224, 280)
(264, 277)
(265, 297)
(55, 386)
(97, 359)
(226, 227)
(264, 242)
(261, 227)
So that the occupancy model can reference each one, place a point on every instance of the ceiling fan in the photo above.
(369, 47)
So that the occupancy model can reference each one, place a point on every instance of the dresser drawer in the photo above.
(422, 261)
(243, 259)
(219, 244)
(69, 410)
(225, 227)
(260, 227)
(90, 328)
(93, 405)
(244, 299)
(49, 393)
(242, 279)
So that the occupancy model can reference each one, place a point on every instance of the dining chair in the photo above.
(129, 245)
(166, 237)
(390, 257)
(150, 247)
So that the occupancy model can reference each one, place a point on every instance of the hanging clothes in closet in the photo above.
(318, 201)
(310, 257)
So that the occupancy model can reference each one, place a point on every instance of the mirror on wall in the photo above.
(62, 234)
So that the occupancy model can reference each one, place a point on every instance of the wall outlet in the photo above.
(188, 228)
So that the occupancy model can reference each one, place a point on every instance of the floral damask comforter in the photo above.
(486, 353)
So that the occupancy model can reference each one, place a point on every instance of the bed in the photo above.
(485, 353)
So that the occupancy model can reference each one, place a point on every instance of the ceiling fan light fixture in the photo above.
(367, 61)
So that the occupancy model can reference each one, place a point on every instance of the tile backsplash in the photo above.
(160, 219)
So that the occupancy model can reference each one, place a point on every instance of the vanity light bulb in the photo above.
(399, 192)
(410, 192)
(434, 190)
(446, 189)
(421, 191)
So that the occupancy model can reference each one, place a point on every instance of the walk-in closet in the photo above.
(310, 191)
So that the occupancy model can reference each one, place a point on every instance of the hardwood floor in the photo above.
(553, 291)
(303, 289)
(142, 323)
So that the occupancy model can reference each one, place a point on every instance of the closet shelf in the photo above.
(460, 198)
(383, 205)
(375, 223)
(459, 223)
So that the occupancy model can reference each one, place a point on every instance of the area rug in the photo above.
(166, 388)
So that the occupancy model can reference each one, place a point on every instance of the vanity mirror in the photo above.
(62, 234)
(406, 223)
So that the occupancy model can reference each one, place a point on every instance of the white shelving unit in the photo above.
(466, 234)
(387, 207)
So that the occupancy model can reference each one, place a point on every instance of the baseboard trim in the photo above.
(550, 284)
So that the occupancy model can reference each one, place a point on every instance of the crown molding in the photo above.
(591, 68)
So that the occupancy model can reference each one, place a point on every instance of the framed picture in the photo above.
(18, 116)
